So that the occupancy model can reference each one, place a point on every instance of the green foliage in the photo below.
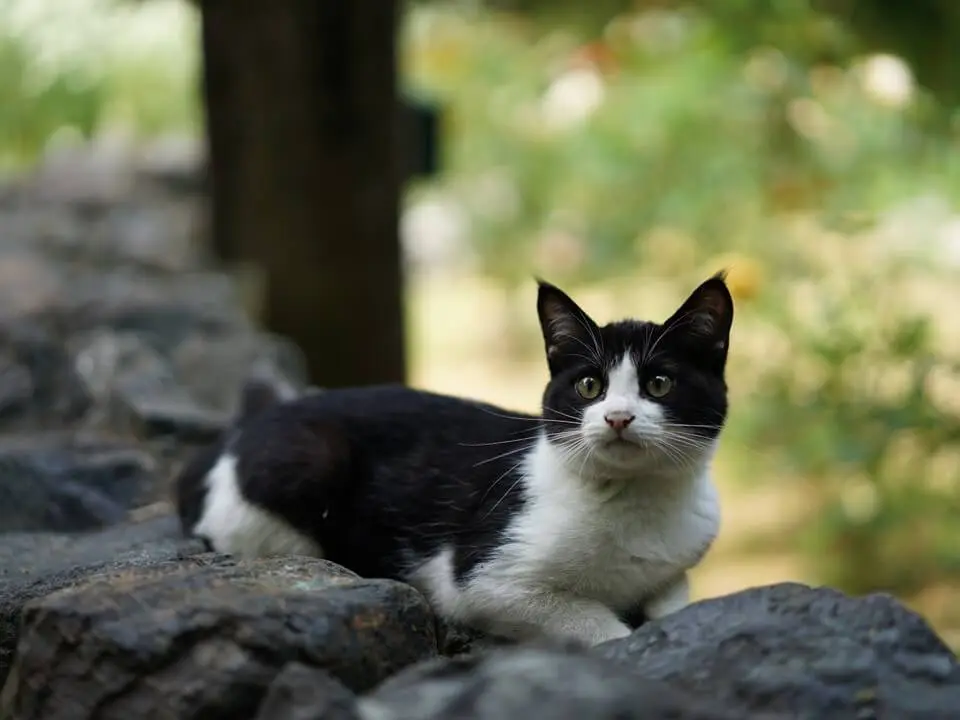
(863, 412)
(83, 66)
(697, 143)
(659, 145)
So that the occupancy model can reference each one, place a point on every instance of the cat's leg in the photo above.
(527, 613)
(671, 598)
(586, 620)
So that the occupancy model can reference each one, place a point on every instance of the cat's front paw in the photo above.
(614, 632)
(593, 630)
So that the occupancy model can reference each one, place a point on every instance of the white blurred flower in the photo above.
(572, 97)
(887, 80)
(435, 234)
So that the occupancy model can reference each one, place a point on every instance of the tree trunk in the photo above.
(301, 108)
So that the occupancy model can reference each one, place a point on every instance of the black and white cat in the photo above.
(571, 524)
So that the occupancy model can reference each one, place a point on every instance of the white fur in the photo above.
(597, 535)
(235, 526)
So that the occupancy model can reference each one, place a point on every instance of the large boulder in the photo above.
(33, 565)
(523, 683)
(206, 636)
(302, 692)
(798, 651)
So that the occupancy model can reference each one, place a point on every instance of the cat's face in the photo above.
(632, 395)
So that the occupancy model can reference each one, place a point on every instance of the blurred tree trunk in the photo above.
(301, 107)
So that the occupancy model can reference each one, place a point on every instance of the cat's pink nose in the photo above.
(618, 420)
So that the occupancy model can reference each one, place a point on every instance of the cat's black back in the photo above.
(381, 476)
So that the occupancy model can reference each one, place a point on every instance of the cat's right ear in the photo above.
(563, 322)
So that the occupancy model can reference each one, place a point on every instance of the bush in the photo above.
(668, 147)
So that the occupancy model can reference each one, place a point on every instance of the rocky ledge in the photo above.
(120, 352)
(134, 622)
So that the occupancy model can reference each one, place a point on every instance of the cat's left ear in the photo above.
(707, 315)
(563, 321)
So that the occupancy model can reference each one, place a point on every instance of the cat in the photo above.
(579, 523)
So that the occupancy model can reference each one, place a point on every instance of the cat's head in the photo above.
(633, 395)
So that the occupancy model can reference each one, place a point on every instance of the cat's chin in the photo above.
(623, 454)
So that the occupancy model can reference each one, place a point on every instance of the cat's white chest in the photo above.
(619, 550)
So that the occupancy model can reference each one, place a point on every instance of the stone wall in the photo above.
(121, 352)
(120, 349)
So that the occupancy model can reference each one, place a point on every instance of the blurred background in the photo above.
(624, 149)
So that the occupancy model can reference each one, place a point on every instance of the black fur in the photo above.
(383, 477)
(690, 347)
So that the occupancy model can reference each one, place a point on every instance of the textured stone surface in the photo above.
(111, 320)
(800, 652)
(64, 483)
(524, 683)
(301, 692)
(206, 638)
(32, 565)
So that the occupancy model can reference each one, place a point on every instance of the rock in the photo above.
(32, 565)
(523, 683)
(798, 651)
(455, 639)
(176, 415)
(65, 484)
(206, 636)
(300, 692)
(39, 388)
(213, 368)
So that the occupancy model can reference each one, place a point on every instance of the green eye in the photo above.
(589, 387)
(659, 385)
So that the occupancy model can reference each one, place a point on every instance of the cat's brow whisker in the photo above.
(671, 326)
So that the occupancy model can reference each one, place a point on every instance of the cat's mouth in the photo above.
(620, 441)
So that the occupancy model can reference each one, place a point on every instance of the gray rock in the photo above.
(206, 636)
(523, 683)
(212, 369)
(32, 565)
(799, 652)
(300, 692)
(39, 388)
(63, 483)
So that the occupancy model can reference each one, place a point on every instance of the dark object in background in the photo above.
(305, 169)
(420, 137)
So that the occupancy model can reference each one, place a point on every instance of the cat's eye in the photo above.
(589, 387)
(659, 385)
